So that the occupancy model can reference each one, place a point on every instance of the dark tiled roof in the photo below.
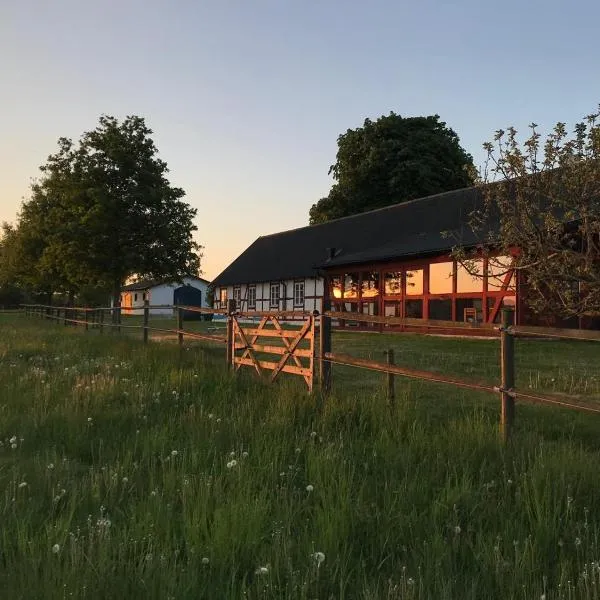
(412, 228)
(145, 284)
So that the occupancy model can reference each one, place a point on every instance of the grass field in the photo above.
(132, 471)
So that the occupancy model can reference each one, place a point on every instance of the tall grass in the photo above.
(141, 472)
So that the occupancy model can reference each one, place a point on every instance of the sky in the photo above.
(246, 98)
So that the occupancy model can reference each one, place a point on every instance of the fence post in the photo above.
(146, 318)
(119, 319)
(230, 348)
(85, 318)
(391, 392)
(180, 326)
(325, 341)
(101, 315)
(507, 352)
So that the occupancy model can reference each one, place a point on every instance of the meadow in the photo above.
(133, 471)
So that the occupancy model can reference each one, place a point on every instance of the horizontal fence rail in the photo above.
(272, 348)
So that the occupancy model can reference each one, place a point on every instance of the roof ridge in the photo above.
(367, 212)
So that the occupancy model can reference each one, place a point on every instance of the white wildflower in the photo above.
(318, 557)
(310, 488)
(262, 571)
(231, 464)
(174, 453)
(13, 445)
(457, 529)
(56, 549)
(244, 454)
(205, 561)
(125, 479)
(22, 484)
(13, 439)
(50, 466)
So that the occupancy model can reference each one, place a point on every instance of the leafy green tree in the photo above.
(391, 160)
(544, 196)
(104, 211)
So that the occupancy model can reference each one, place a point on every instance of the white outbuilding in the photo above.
(191, 291)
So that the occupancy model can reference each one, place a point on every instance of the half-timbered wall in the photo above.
(301, 294)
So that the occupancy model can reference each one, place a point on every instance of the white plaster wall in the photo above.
(313, 286)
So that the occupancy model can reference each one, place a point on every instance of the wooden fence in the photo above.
(246, 339)
(506, 387)
(244, 347)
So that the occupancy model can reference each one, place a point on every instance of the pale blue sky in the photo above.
(247, 97)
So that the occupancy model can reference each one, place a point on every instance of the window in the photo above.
(440, 278)
(392, 309)
(223, 297)
(252, 297)
(469, 278)
(299, 293)
(440, 310)
(498, 268)
(336, 286)
(370, 285)
(393, 283)
(414, 283)
(275, 294)
(237, 296)
(469, 309)
(135, 297)
(413, 309)
(351, 285)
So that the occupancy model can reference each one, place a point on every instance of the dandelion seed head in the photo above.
(231, 464)
(174, 452)
(310, 488)
(205, 561)
(318, 557)
(13, 445)
(262, 571)
(457, 529)
(56, 549)
(244, 454)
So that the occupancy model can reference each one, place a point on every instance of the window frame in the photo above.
(297, 284)
(251, 293)
(273, 286)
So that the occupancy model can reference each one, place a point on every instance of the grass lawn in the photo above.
(132, 471)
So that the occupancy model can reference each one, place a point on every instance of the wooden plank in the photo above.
(290, 350)
(400, 321)
(253, 361)
(280, 350)
(554, 332)
(352, 361)
(285, 341)
(268, 365)
(270, 333)
(278, 314)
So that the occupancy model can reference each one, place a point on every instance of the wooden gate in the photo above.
(295, 345)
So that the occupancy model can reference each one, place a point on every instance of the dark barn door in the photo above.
(187, 295)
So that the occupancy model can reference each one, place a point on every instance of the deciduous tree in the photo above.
(544, 196)
(391, 160)
(104, 211)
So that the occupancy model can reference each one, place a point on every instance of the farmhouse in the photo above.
(191, 291)
(394, 261)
